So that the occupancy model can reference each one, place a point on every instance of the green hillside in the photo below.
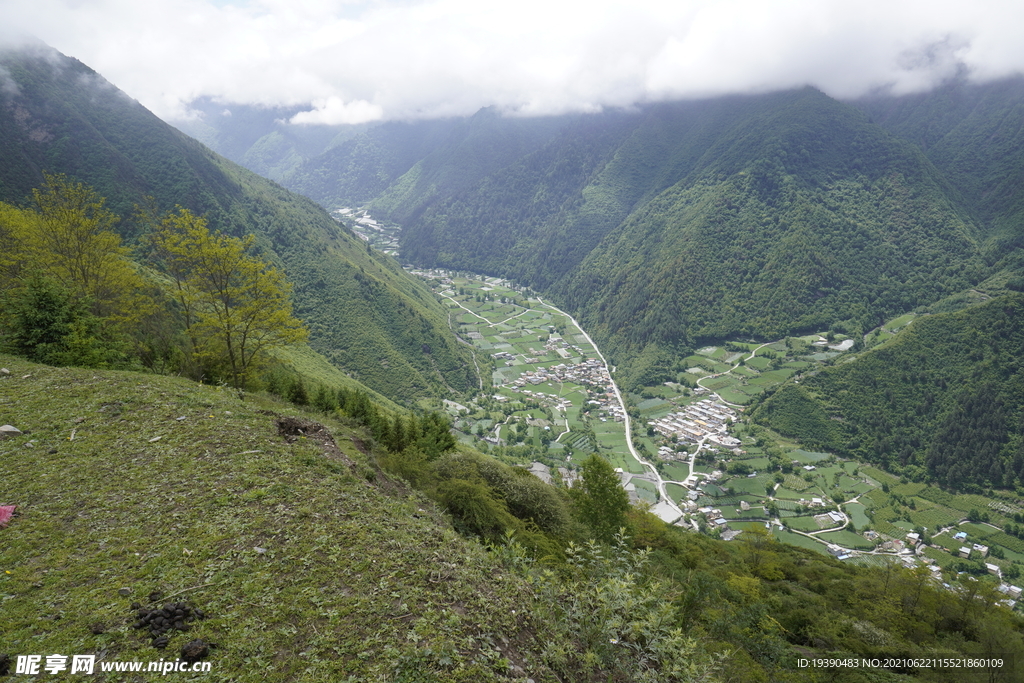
(365, 165)
(972, 133)
(756, 216)
(808, 216)
(132, 484)
(306, 562)
(364, 313)
(942, 402)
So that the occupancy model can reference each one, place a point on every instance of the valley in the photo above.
(687, 449)
(776, 338)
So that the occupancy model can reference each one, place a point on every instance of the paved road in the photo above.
(662, 493)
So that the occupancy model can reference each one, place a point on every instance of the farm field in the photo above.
(551, 401)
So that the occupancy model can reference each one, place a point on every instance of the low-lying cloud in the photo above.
(351, 62)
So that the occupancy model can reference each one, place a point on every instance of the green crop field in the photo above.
(754, 485)
(676, 470)
(759, 363)
(848, 539)
(735, 396)
(803, 523)
(787, 494)
(787, 536)
(934, 517)
(858, 516)
(808, 457)
(676, 492)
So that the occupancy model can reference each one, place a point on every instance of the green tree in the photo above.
(235, 306)
(436, 436)
(600, 499)
(72, 242)
(49, 324)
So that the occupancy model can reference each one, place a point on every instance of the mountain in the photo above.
(942, 402)
(677, 223)
(259, 138)
(365, 314)
(972, 134)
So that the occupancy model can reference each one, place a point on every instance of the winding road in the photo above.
(662, 493)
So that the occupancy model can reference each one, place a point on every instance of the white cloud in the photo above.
(333, 111)
(357, 61)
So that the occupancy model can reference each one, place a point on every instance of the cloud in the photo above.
(354, 61)
(333, 111)
(8, 85)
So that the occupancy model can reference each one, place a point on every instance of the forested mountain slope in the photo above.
(680, 222)
(364, 313)
(974, 135)
(944, 401)
(801, 215)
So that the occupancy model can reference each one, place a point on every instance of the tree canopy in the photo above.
(600, 498)
(235, 305)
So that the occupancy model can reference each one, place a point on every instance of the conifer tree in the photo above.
(600, 499)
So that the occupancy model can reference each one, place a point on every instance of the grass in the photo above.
(791, 538)
(646, 490)
(807, 457)
(306, 559)
(676, 470)
(803, 523)
(735, 396)
(848, 539)
(676, 492)
(857, 514)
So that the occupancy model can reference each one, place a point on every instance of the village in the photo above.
(705, 419)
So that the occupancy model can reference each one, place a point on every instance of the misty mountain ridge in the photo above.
(678, 223)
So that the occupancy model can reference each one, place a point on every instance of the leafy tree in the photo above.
(71, 241)
(13, 231)
(609, 620)
(235, 306)
(600, 499)
(64, 257)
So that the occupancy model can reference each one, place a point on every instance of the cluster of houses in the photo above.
(557, 345)
(590, 372)
(697, 421)
(557, 402)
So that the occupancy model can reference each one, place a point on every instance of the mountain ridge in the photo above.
(365, 314)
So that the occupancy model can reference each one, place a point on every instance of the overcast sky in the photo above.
(353, 61)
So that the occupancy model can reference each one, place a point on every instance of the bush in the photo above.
(474, 508)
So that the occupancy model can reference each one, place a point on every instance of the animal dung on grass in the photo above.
(175, 616)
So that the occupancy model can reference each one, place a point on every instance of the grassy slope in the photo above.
(354, 581)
